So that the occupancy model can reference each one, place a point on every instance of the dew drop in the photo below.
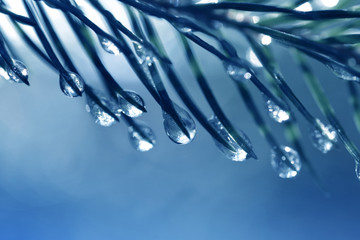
(109, 46)
(129, 109)
(182, 28)
(101, 117)
(240, 154)
(265, 39)
(253, 59)
(172, 129)
(305, 7)
(324, 139)
(185, 29)
(4, 74)
(280, 164)
(328, 3)
(68, 90)
(18, 69)
(275, 112)
(145, 55)
(146, 69)
(140, 143)
(342, 73)
(237, 73)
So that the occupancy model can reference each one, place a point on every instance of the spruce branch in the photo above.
(205, 27)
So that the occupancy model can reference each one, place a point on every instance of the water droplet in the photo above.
(146, 55)
(127, 108)
(146, 69)
(65, 86)
(139, 142)
(240, 155)
(253, 59)
(357, 169)
(278, 162)
(255, 19)
(325, 138)
(18, 69)
(276, 113)
(342, 73)
(109, 46)
(101, 117)
(328, 3)
(4, 74)
(237, 73)
(174, 131)
(182, 28)
(305, 7)
(265, 39)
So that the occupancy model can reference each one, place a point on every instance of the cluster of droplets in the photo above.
(239, 154)
(69, 81)
(109, 46)
(17, 72)
(324, 137)
(285, 161)
(236, 72)
(100, 116)
(143, 138)
(276, 112)
(173, 130)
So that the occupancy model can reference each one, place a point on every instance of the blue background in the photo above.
(63, 177)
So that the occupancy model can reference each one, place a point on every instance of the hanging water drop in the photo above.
(145, 55)
(18, 72)
(109, 46)
(129, 109)
(237, 73)
(240, 154)
(253, 59)
(172, 129)
(281, 165)
(342, 72)
(325, 138)
(143, 141)
(101, 117)
(4, 74)
(75, 79)
(276, 112)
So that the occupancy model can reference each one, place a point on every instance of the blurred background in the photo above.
(64, 177)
